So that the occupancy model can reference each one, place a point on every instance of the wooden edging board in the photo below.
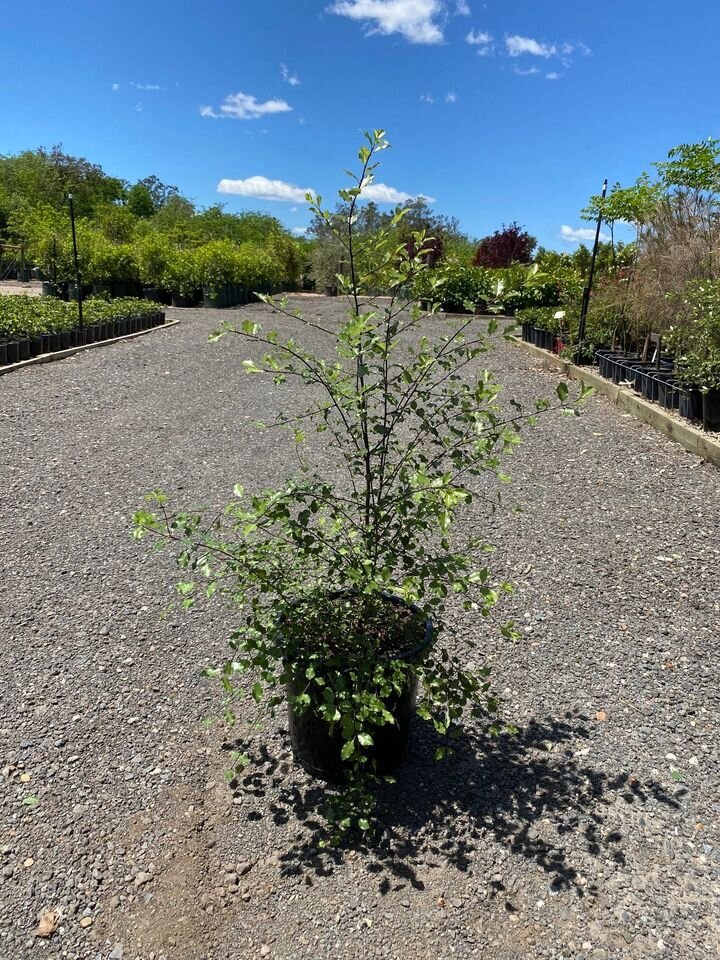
(61, 354)
(692, 439)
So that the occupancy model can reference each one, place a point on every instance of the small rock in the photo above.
(142, 878)
(117, 952)
(264, 950)
(86, 922)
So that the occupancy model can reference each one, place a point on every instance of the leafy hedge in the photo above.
(116, 251)
(22, 317)
(458, 287)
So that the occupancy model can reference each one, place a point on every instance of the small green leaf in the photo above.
(562, 391)
(348, 750)
(257, 692)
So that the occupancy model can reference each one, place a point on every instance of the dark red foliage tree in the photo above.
(510, 245)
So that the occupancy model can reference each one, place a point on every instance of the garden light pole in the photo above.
(78, 279)
(588, 286)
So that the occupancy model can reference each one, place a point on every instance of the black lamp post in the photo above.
(588, 286)
(78, 278)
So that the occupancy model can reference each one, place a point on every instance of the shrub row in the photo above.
(33, 325)
(458, 288)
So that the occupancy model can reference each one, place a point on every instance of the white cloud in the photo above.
(552, 75)
(263, 189)
(138, 108)
(152, 87)
(412, 19)
(526, 73)
(300, 231)
(462, 8)
(450, 97)
(427, 98)
(516, 46)
(291, 78)
(381, 193)
(580, 234)
(115, 87)
(479, 39)
(242, 106)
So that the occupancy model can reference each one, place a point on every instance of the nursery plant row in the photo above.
(222, 295)
(30, 326)
(657, 379)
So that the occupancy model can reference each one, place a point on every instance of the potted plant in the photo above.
(696, 342)
(182, 277)
(343, 586)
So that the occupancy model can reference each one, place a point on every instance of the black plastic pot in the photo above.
(13, 351)
(24, 349)
(690, 404)
(318, 751)
(526, 331)
(156, 294)
(50, 289)
(603, 359)
(651, 385)
(668, 393)
(711, 410)
(35, 346)
(3, 353)
(216, 299)
(180, 299)
(620, 366)
(125, 288)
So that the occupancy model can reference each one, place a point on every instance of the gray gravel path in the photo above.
(591, 834)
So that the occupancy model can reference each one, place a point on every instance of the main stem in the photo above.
(360, 366)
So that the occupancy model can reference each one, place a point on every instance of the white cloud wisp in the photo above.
(413, 19)
(292, 78)
(261, 188)
(382, 193)
(516, 46)
(580, 234)
(243, 106)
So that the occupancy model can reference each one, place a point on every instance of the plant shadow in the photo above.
(506, 789)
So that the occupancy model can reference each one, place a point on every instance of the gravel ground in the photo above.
(31, 289)
(591, 834)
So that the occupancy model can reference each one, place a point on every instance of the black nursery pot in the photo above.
(690, 404)
(620, 367)
(13, 351)
(668, 393)
(3, 353)
(653, 382)
(318, 751)
(711, 410)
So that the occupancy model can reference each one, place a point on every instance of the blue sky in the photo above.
(500, 111)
